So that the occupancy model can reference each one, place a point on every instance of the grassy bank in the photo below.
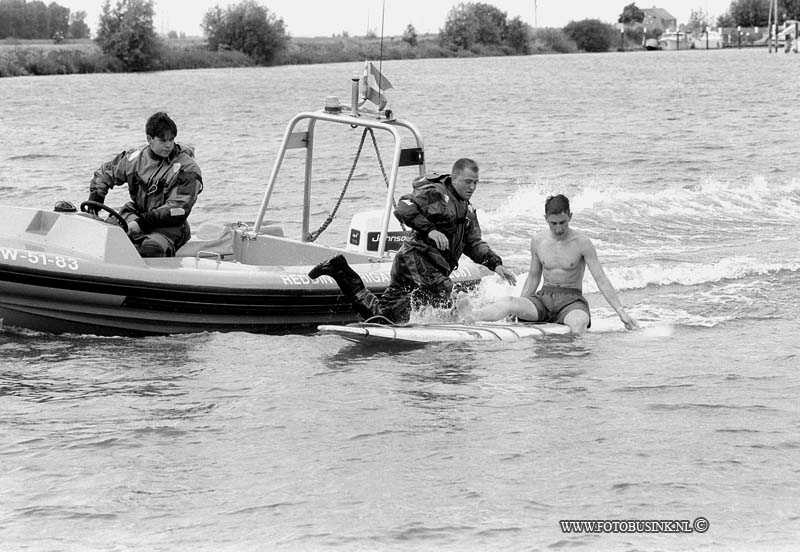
(29, 57)
(340, 49)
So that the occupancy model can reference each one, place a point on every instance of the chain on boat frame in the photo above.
(354, 117)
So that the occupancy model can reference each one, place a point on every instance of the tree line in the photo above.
(755, 13)
(248, 26)
(249, 33)
(35, 20)
(126, 32)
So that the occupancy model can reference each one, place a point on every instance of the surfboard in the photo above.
(431, 333)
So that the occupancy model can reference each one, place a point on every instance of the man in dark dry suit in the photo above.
(163, 180)
(444, 225)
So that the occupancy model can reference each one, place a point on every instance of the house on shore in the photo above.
(658, 19)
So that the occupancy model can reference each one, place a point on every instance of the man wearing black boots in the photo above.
(444, 225)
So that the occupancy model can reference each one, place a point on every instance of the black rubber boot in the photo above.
(337, 268)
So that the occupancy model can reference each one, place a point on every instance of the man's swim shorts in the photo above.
(553, 303)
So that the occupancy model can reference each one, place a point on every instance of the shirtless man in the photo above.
(559, 257)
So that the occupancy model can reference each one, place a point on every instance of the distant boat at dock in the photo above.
(652, 44)
(710, 40)
(675, 40)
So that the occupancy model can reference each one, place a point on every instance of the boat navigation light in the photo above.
(332, 104)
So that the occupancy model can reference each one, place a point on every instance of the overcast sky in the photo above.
(304, 18)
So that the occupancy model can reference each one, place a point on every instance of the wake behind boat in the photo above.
(64, 270)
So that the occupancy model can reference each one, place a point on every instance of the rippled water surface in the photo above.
(680, 166)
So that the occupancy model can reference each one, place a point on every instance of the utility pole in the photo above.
(769, 27)
(772, 25)
(535, 9)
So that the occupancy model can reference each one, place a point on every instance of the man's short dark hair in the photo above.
(159, 125)
(557, 204)
(461, 164)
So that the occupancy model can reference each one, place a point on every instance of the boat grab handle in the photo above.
(207, 255)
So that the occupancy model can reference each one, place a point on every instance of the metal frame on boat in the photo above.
(68, 272)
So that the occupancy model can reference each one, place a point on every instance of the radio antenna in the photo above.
(380, 60)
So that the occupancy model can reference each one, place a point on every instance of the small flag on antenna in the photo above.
(383, 82)
(376, 85)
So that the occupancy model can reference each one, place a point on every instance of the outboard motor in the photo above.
(365, 230)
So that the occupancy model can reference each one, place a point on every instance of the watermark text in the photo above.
(698, 525)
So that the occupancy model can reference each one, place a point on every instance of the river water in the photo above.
(681, 166)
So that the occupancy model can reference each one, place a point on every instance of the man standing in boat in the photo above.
(163, 180)
(559, 257)
(444, 225)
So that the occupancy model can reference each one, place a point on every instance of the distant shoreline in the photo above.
(44, 57)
